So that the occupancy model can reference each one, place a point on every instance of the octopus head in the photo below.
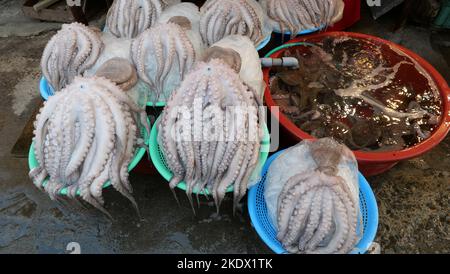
(327, 153)
(182, 21)
(229, 56)
(120, 71)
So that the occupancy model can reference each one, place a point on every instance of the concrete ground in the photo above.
(413, 197)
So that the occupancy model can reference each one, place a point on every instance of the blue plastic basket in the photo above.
(45, 89)
(263, 226)
(303, 32)
(264, 42)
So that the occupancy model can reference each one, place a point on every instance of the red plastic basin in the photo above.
(370, 163)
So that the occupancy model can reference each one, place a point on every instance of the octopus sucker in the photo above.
(89, 137)
(297, 221)
(213, 152)
(85, 141)
(41, 122)
(312, 220)
(315, 206)
(69, 53)
(325, 222)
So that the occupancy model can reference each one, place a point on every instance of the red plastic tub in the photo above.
(376, 162)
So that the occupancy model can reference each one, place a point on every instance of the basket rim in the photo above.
(302, 32)
(167, 174)
(264, 42)
(139, 154)
(45, 89)
(369, 233)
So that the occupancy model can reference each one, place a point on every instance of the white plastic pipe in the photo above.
(279, 62)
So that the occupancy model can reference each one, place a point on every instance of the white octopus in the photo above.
(69, 53)
(129, 18)
(84, 136)
(220, 18)
(317, 210)
(206, 141)
(299, 15)
(162, 55)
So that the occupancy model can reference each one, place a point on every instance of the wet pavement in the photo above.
(413, 197)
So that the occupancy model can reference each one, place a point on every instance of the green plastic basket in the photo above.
(33, 163)
(443, 18)
(157, 104)
(160, 163)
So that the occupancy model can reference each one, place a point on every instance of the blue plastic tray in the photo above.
(267, 232)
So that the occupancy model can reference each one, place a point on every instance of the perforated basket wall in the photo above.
(261, 222)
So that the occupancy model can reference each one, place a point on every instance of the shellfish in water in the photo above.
(366, 95)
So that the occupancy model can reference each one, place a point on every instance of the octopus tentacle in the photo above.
(291, 194)
(103, 151)
(123, 125)
(40, 130)
(298, 218)
(313, 219)
(87, 126)
(325, 222)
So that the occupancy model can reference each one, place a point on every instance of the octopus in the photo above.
(220, 18)
(69, 53)
(299, 15)
(84, 136)
(129, 18)
(348, 90)
(210, 133)
(163, 55)
(317, 210)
